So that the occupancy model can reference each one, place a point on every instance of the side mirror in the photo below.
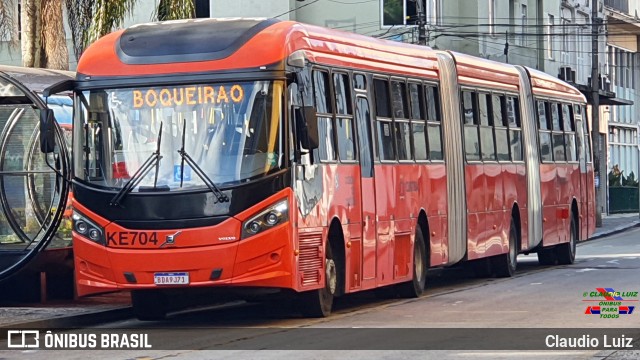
(47, 131)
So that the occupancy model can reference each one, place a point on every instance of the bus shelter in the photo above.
(35, 229)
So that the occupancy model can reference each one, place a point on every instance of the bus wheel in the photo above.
(415, 287)
(505, 265)
(567, 252)
(149, 305)
(547, 256)
(317, 303)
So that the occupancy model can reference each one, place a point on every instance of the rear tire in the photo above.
(318, 303)
(567, 252)
(149, 305)
(415, 287)
(547, 256)
(505, 265)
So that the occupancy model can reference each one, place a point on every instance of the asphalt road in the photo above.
(463, 309)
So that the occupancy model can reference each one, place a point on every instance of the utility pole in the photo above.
(422, 36)
(599, 152)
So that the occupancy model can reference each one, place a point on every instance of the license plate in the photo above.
(175, 278)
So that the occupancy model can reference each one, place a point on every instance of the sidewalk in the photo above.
(612, 224)
(114, 306)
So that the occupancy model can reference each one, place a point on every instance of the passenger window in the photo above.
(497, 109)
(322, 91)
(542, 116)
(486, 130)
(346, 139)
(570, 143)
(403, 139)
(343, 94)
(385, 140)
(419, 140)
(558, 147)
(513, 111)
(359, 82)
(483, 109)
(399, 97)
(417, 101)
(555, 117)
(325, 133)
(382, 98)
(567, 118)
(471, 142)
(468, 108)
(433, 103)
(515, 141)
(502, 144)
(435, 142)
(545, 147)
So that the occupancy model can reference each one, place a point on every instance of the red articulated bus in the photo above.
(257, 153)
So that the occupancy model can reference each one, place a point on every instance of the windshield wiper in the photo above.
(153, 159)
(197, 169)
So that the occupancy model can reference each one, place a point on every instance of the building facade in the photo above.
(622, 76)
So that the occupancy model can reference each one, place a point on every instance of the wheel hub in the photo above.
(331, 276)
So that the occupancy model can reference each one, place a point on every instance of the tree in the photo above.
(90, 19)
(6, 21)
(43, 39)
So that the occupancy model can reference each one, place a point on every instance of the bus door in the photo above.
(367, 183)
(583, 149)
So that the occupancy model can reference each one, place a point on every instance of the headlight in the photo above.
(275, 214)
(87, 228)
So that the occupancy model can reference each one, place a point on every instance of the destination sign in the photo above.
(192, 95)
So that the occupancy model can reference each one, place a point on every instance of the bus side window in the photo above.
(487, 143)
(385, 133)
(500, 127)
(545, 133)
(418, 128)
(470, 114)
(434, 131)
(344, 118)
(557, 136)
(515, 131)
(569, 132)
(322, 91)
(401, 119)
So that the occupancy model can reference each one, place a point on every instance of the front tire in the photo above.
(318, 303)
(415, 287)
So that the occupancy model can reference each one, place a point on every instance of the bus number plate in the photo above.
(176, 278)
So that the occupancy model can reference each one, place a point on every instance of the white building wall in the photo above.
(253, 8)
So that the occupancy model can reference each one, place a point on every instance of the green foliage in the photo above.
(175, 10)
(617, 178)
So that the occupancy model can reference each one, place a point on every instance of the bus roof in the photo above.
(475, 71)
(544, 84)
(204, 45)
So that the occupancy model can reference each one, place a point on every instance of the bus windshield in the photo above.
(233, 132)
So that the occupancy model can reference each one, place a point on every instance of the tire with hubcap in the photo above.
(566, 252)
(318, 303)
(505, 265)
(415, 287)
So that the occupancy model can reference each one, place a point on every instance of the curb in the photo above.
(617, 230)
(75, 321)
